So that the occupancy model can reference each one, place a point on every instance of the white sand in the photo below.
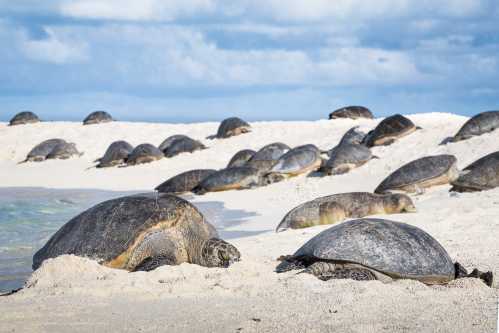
(78, 295)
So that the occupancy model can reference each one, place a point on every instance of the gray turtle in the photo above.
(183, 145)
(240, 158)
(231, 127)
(352, 112)
(117, 153)
(297, 161)
(236, 178)
(97, 117)
(141, 232)
(481, 175)
(335, 208)
(184, 182)
(63, 151)
(24, 117)
(265, 158)
(479, 124)
(169, 140)
(144, 153)
(353, 136)
(346, 157)
(389, 130)
(40, 151)
(377, 249)
(419, 174)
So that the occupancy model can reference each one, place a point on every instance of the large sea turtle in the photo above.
(346, 157)
(117, 153)
(40, 151)
(338, 207)
(184, 182)
(169, 140)
(231, 127)
(481, 175)
(183, 145)
(235, 178)
(389, 130)
(24, 117)
(353, 135)
(419, 174)
(63, 151)
(479, 124)
(141, 232)
(144, 153)
(97, 117)
(265, 158)
(352, 112)
(240, 158)
(299, 160)
(377, 249)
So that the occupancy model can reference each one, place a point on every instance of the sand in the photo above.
(75, 294)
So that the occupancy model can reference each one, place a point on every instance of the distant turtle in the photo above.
(185, 181)
(40, 151)
(117, 153)
(183, 145)
(25, 117)
(338, 207)
(353, 135)
(419, 174)
(144, 153)
(346, 157)
(141, 232)
(389, 130)
(231, 127)
(481, 175)
(265, 158)
(297, 161)
(63, 151)
(377, 249)
(352, 112)
(169, 140)
(479, 124)
(236, 178)
(97, 117)
(240, 158)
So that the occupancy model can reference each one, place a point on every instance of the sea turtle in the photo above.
(235, 178)
(419, 174)
(183, 145)
(297, 161)
(97, 117)
(352, 112)
(117, 153)
(479, 124)
(389, 130)
(377, 249)
(346, 157)
(232, 126)
(353, 135)
(240, 158)
(25, 117)
(63, 151)
(265, 158)
(483, 174)
(40, 151)
(335, 208)
(144, 153)
(169, 140)
(185, 181)
(141, 232)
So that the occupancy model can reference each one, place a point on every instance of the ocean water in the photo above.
(29, 217)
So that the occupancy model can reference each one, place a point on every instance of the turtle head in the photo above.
(218, 253)
(399, 203)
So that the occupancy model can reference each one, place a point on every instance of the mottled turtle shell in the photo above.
(41, 150)
(63, 151)
(185, 181)
(169, 140)
(483, 174)
(298, 160)
(417, 171)
(393, 248)
(229, 179)
(240, 158)
(183, 145)
(25, 117)
(116, 153)
(352, 112)
(479, 124)
(144, 153)
(353, 136)
(110, 228)
(393, 126)
(348, 153)
(97, 117)
(232, 126)
(271, 152)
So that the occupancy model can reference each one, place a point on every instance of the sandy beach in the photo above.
(78, 295)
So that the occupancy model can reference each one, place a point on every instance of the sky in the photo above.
(205, 60)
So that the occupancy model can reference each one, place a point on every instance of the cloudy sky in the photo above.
(192, 60)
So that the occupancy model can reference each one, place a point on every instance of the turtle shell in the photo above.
(298, 160)
(271, 152)
(40, 151)
(116, 153)
(229, 126)
(483, 174)
(24, 117)
(97, 117)
(183, 145)
(353, 136)
(393, 126)
(63, 151)
(144, 153)
(228, 179)
(479, 124)
(169, 140)
(185, 181)
(348, 154)
(352, 112)
(396, 249)
(240, 158)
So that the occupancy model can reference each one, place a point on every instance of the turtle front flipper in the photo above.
(152, 263)
(328, 270)
(461, 272)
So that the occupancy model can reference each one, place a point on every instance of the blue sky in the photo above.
(195, 60)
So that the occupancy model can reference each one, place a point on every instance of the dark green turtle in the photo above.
(183, 145)
(117, 153)
(97, 117)
(481, 175)
(40, 151)
(23, 118)
(299, 160)
(419, 174)
(184, 182)
(377, 249)
(265, 158)
(479, 124)
(169, 140)
(63, 151)
(235, 178)
(231, 127)
(346, 157)
(389, 130)
(141, 232)
(353, 136)
(240, 158)
(144, 153)
(352, 112)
